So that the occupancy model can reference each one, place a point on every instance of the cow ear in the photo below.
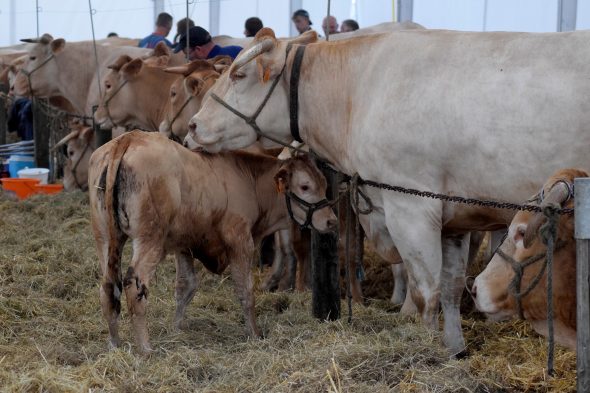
(58, 45)
(281, 180)
(87, 134)
(132, 68)
(160, 61)
(221, 63)
(161, 49)
(120, 62)
(193, 85)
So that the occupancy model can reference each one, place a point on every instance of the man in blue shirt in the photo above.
(201, 47)
(163, 27)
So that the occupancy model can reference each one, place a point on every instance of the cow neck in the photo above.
(76, 84)
(325, 108)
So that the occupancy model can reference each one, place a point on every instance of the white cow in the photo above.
(458, 113)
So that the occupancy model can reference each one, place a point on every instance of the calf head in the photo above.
(132, 94)
(491, 289)
(77, 146)
(187, 93)
(40, 68)
(299, 176)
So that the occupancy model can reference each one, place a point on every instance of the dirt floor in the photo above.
(53, 337)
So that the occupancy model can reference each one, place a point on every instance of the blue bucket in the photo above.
(17, 162)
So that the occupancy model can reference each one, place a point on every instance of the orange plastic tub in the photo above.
(21, 187)
(49, 188)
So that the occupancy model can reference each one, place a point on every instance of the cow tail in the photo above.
(116, 236)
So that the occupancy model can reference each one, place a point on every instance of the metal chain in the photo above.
(442, 197)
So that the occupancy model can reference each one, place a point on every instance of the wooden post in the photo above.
(324, 265)
(41, 135)
(3, 114)
(100, 136)
(582, 232)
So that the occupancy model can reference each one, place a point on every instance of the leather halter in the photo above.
(294, 101)
(106, 103)
(29, 73)
(309, 208)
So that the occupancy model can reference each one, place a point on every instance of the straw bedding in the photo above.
(53, 337)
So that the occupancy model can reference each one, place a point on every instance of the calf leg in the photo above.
(136, 283)
(455, 252)
(186, 286)
(278, 266)
(111, 285)
(287, 282)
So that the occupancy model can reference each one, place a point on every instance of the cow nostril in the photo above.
(192, 126)
(474, 291)
(332, 223)
(185, 144)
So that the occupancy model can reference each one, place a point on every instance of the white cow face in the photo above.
(244, 88)
(41, 65)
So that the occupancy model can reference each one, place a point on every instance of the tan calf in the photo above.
(212, 207)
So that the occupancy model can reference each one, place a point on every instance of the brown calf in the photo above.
(213, 207)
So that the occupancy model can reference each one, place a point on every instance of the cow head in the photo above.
(78, 146)
(41, 68)
(132, 94)
(300, 176)
(490, 290)
(244, 87)
(187, 93)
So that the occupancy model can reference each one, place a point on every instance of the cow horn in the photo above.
(264, 46)
(557, 195)
(187, 69)
(66, 139)
(44, 39)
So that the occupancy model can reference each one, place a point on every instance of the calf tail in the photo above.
(111, 198)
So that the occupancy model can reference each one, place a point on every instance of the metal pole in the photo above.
(327, 17)
(566, 15)
(324, 265)
(187, 37)
(158, 8)
(582, 234)
(214, 16)
(41, 135)
(405, 10)
(37, 12)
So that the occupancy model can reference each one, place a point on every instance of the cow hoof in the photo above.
(113, 344)
(146, 350)
(180, 325)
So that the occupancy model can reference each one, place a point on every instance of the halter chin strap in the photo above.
(311, 208)
(293, 107)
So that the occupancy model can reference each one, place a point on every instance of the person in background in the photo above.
(113, 34)
(200, 46)
(252, 26)
(181, 29)
(301, 20)
(163, 27)
(349, 25)
(330, 25)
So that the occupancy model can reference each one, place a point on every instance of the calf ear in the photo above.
(160, 61)
(132, 68)
(281, 180)
(193, 85)
(58, 45)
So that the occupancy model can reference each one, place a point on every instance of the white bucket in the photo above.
(35, 173)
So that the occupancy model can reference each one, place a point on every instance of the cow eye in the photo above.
(173, 94)
(238, 75)
(304, 187)
(107, 85)
(33, 58)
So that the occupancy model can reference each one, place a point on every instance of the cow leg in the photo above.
(136, 283)
(186, 286)
(415, 228)
(455, 254)
(400, 277)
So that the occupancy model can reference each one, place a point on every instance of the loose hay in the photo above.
(53, 338)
